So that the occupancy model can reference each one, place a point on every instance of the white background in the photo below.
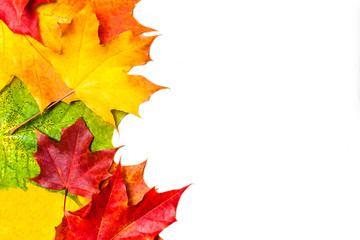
(263, 117)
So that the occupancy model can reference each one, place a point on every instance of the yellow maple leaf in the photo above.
(53, 13)
(99, 73)
(19, 57)
(32, 214)
(8, 64)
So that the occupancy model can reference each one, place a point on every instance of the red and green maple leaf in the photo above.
(109, 216)
(69, 164)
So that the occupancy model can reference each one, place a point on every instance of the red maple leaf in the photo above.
(20, 17)
(69, 164)
(108, 215)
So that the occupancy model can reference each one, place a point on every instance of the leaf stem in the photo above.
(66, 192)
(11, 131)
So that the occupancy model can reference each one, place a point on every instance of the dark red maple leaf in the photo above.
(20, 17)
(108, 215)
(69, 164)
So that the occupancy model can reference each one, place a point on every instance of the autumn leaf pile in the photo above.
(65, 86)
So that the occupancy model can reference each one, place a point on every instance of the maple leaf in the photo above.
(8, 63)
(20, 16)
(20, 57)
(115, 17)
(68, 164)
(136, 187)
(133, 176)
(17, 163)
(98, 74)
(55, 13)
(108, 215)
(134, 181)
(31, 214)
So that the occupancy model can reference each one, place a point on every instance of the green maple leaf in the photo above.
(17, 163)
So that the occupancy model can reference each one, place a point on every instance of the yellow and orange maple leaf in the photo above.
(19, 57)
(115, 17)
(99, 73)
(51, 15)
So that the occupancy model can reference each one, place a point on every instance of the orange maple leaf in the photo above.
(115, 17)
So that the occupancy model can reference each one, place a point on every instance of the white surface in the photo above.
(263, 117)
